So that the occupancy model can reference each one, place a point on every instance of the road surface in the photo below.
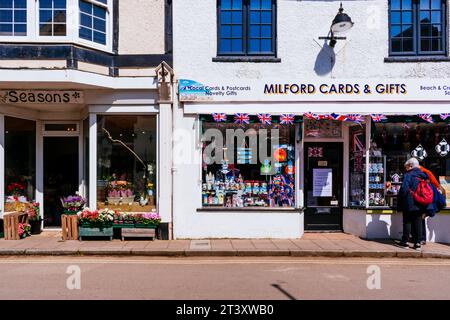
(222, 278)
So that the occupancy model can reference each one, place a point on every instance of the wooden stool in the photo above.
(11, 222)
(69, 227)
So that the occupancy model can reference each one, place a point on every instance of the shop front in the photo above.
(101, 146)
(335, 165)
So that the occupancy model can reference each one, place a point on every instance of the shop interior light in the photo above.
(341, 23)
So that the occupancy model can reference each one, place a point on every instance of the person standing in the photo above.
(434, 182)
(412, 211)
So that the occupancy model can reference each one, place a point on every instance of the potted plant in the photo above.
(73, 204)
(96, 223)
(148, 220)
(119, 191)
(34, 218)
(24, 230)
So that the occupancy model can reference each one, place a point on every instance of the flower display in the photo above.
(96, 217)
(24, 230)
(150, 218)
(33, 211)
(73, 203)
(16, 188)
(120, 188)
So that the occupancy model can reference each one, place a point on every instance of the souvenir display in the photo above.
(419, 152)
(443, 148)
(377, 181)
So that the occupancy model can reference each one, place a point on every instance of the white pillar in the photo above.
(165, 162)
(2, 164)
(92, 161)
(40, 167)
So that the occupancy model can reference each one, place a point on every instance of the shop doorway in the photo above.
(61, 176)
(323, 185)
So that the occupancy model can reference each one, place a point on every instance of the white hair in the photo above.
(413, 162)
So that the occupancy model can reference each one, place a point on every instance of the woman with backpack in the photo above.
(413, 200)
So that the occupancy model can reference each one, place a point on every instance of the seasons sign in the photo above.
(41, 97)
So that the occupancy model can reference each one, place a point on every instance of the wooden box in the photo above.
(138, 233)
(11, 222)
(69, 225)
(95, 232)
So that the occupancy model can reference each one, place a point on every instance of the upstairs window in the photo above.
(417, 27)
(93, 20)
(246, 27)
(52, 17)
(13, 17)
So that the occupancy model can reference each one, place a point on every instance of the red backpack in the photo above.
(424, 193)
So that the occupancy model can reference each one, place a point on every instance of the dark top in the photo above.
(406, 202)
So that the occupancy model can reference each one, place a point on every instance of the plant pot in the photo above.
(70, 213)
(35, 226)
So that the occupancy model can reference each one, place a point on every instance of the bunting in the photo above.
(219, 117)
(241, 118)
(287, 119)
(426, 116)
(378, 117)
(265, 118)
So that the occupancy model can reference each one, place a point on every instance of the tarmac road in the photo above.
(222, 278)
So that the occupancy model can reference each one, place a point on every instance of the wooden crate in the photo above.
(69, 227)
(11, 222)
(96, 232)
(138, 233)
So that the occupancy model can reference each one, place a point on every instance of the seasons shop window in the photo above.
(236, 172)
(417, 27)
(126, 163)
(394, 143)
(246, 27)
(20, 161)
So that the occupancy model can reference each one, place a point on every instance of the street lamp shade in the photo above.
(342, 22)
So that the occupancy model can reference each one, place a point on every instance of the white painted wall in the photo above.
(390, 226)
(300, 23)
(141, 27)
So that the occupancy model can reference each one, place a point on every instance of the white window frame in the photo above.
(72, 26)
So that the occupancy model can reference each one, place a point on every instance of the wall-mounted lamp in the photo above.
(341, 23)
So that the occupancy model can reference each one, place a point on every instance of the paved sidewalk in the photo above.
(311, 244)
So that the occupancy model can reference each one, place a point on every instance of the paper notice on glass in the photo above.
(322, 182)
(444, 181)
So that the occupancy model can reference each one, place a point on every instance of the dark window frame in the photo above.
(245, 33)
(416, 52)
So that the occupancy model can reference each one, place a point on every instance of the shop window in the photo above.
(249, 165)
(93, 21)
(417, 27)
(126, 157)
(20, 161)
(393, 143)
(357, 165)
(13, 18)
(246, 27)
(52, 17)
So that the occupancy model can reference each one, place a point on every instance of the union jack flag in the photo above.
(338, 117)
(265, 118)
(354, 117)
(426, 116)
(242, 118)
(219, 117)
(287, 118)
(378, 117)
(444, 116)
(324, 117)
(311, 116)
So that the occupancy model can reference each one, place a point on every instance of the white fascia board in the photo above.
(299, 108)
(73, 78)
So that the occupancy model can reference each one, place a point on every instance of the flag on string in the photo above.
(338, 117)
(426, 116)
(378, 117)
(219, 117)
(241, 118)
(286, 118)
(444, 116)
(265, 118)
(354, 117)
(310, 116)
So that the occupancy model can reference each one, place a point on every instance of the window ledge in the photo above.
(269, 59)
(248, 209)
(418, 59)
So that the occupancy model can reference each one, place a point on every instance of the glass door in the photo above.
(323, 185)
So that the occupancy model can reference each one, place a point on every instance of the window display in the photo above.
(126, 153)
(357, 164)
(20, 162)
(239, 177)
(407, 137)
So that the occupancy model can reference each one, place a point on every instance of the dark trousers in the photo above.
(412, 224)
